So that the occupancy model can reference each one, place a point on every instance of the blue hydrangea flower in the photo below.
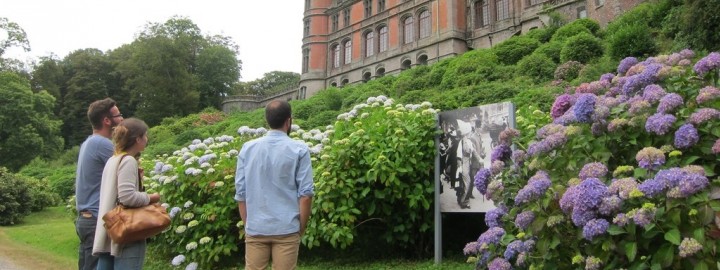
(584, 108)
(686, 136)
(669, 103)
(524, 219)
(482, 178)
(659, 124)
(595, 228)
(593, 170)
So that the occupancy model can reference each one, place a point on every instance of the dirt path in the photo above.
(15, 256)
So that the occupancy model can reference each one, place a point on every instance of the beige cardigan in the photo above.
(125, 189)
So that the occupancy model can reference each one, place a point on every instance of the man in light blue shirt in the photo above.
(274, 189)
(104, 115)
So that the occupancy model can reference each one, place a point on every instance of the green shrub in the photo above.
(632, 40)
(15, 198)
(542, 34)
(536, 66)
(62, 181)
(410, 80)
(568, 71)
(515, 48)
(471, 68)
(590, 24)
(582, 48)
(538, 97)
(321, 119)
(40, 193)
(187, 136)
(597, 68)
(569, 30)
(551, 49)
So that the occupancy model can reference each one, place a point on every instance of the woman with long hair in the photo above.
(122, 184)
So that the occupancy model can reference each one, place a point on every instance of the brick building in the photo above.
(353, 41)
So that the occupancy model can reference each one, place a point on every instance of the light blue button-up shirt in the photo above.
(273, 172)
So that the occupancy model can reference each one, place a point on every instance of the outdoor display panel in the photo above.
(467, 139)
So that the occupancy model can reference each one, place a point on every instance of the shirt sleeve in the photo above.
(304, 176)
(105, 151)
(240, 177)
(128, 193)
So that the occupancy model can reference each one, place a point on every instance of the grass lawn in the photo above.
(44, 240)
(47, 240)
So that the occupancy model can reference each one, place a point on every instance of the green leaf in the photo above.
(664, 256)
(631, 250)
(616, 230)
(673, 236)
(701, 266)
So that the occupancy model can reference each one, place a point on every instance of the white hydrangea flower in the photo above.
(210, 171)
(188, 216)
(205, 240)
(219, 184)
(196, 141)
(165, 205)
(180, 229)
(193, 223)
(294, 127)
(205, 165)
(192, 266)
(371, 100)
(178, 260)
(382, 98)
(191, 246)
(188, 204)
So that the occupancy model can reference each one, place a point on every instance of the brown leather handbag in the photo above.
(125, 224)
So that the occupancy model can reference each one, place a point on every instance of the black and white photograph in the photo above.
(468, 137)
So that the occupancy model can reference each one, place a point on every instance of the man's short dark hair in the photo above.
(277, 112)
(98, 110)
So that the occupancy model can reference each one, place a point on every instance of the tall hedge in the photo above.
(15, 198)
(582, 48)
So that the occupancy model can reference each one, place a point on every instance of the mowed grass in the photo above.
(43, 240)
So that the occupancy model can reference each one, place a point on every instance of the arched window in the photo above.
(383, 38)
(333, 84)
(482, 13)
(424, 24)
(503, 9)
(405, 64)
(422, 60)
(380, 72)
(344, 82)
(336, 55)
(369, 43)
(408, 30)
(348, 51)
(366, 76)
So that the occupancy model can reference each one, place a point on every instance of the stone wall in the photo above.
(251, 102)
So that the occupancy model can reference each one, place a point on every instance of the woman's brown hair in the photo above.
(125, 135)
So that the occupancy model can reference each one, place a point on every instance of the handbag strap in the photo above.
(139, 183)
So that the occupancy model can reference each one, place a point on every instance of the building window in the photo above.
(408, 30)
(581, 12)
(370, 43)
(381, 5)
(346, 17)
(424, 24)
(306, 60)
(306, 27)
(334, 22)
(367, 76)
(368, 8)
(383, 38)
(482, 13)
(405, 65)
(503, 9)
(380, 72)
(422, 60)
(336, 55)
(344, 82)
(333, 84)
(534, 2)
(302, 93)
(348, 51)
(599, 3)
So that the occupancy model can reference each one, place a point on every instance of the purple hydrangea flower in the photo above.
(561, 105)
(659, 123)
(703, 115)
(513, 249)
(590, 194)
(524, 219)
(653, 93)
(584, 108)
(687, 53)
(496, 167)
(669, 102)
(595, 228)
(644, 216)
(567, 201)
(491, 236)
(549, 129)
(621, 219)
(535, 188)
(716, 147)
(471, 248)
(499, 264)
(707, 94)
(507, 135)
(567, 118)
(692, 183)
(625, 64)
(581, 217)
(650, 158)
(651, 187)
(607, 77)
(593, 170)
(482, 178)
(686, 136)
(610, 205)
(492, 217)
(622, 187)
(548, 144)
(639, 81)
(518, 156)
(707, 63)
(501, 152)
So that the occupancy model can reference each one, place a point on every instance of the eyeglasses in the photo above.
(118, 115)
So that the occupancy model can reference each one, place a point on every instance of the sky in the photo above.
(268, 32)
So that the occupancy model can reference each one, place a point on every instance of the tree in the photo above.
(28, 128)
(271, 83)
(12, 35)
(218, 69)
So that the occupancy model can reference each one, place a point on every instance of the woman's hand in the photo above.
(155, 197)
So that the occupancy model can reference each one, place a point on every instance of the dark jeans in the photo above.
(85, 228)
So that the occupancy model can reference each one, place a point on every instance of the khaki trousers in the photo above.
(282, 248)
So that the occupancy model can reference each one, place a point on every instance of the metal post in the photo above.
(438, 217)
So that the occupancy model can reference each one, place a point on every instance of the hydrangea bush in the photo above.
(625, 176)
(378, 152)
